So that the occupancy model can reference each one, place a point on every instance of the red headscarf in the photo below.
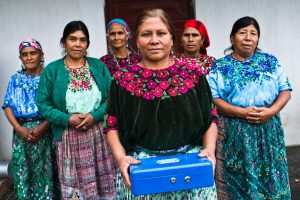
(202, 30)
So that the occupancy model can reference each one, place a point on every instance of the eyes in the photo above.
(252, 33)
(191, 35)
(74, 39)
(120, 33)
(31, 53)
(149, 33)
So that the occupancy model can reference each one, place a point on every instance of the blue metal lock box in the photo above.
(171, 173)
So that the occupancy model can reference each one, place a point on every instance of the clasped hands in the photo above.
(81, 121)
(258, 115)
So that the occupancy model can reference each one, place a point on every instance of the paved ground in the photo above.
(293, 154)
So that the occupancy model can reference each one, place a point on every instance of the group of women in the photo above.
(73, 119)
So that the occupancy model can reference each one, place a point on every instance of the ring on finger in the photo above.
(84, 127)
(28, 138)
(256, 120)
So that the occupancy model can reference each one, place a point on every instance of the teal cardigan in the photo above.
(51, 95)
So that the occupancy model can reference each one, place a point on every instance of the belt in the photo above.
(29, 119)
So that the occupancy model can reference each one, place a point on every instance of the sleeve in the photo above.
(214, 114)
(206, 99)
(110, 117)
(7, 102)
(45, 101)
(213, 82)
(98, 114)
(283, 81)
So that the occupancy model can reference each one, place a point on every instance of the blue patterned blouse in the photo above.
(256, 81)
(21, 94)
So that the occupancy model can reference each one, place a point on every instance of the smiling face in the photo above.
(154, 40)
(76, 44)
(31, 58)
(117, 36)
(245, 41)
(191, 40)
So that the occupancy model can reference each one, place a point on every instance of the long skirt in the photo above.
(255, 163)
(33, 166)
(219, 173)
(123, 193)
(86, 166)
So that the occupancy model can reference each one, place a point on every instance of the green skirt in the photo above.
(34, 168)
(123, 193)
(255, 163)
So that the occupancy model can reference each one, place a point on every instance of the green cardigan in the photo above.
(51, 95)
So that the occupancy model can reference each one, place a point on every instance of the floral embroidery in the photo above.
(214, 113)
(32, 81)
(116, 64)
(203, 62)
(163, 83)
(110, 123)
(255, 69)
(80, 79)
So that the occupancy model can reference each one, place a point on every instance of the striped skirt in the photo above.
(253, 160)
(123, 193)
(86, 166)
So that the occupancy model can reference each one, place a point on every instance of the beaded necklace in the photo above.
(127, 59)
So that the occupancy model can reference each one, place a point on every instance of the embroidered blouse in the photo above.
(204, 61)
(256, 81)
(160, 109)
(83, 95)
(21, 95)
(114, 64)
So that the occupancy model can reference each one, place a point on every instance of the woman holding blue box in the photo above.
(159, 106)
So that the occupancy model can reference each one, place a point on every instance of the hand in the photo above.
(37, 131)
(87, 121)
(25, 134)
(259, 115)
(245, 111)
(210, 154)
(75, 120)
(124, 163)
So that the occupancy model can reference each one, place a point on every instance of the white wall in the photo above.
(279, 23)
(45, 21)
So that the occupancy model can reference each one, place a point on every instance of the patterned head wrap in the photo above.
(202, 30)
(30, 42)
(126, 27)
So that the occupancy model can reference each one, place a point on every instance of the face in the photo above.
(191, 40)
(117, 36)
(245, 40)
(31, 58)
(76, 44)
(154, 40)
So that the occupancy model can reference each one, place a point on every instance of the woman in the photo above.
(121, 53)
(194, 41)
(72, 96)
(32, 152)
(159, 106)
(249, 89)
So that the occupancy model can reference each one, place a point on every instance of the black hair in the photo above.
(242, 23)
(72, 27)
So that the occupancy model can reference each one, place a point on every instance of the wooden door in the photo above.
(178, 10)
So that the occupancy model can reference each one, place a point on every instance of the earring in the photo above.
(138, 51)
(172, 52)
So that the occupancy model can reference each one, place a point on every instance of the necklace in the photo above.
(73, 67)
(117, 62)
